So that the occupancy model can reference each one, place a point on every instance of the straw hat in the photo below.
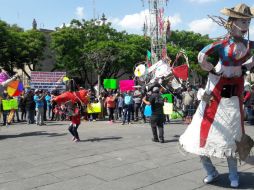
(239, 11)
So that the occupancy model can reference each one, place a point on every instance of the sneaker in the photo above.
(155, 140)
(73, 139)
(122, 124)
(234, 183)
(211, 178)
(162, 141)
(76, 140)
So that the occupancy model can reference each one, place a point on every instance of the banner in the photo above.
(11, 104)
(168, 108)
(126, 85)
(94, 108)
(110, 84)
(47, 80)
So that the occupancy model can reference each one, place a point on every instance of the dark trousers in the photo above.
(136, 109)
(23, 115)
(127, 113)
(120, 111)
(157, 122)
(73, 128)
(142, 112)
(5, 115)
(30, 116)
(111, 113)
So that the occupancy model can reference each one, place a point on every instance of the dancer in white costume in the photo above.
(218, 121)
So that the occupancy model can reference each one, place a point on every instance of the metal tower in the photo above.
(157, 28)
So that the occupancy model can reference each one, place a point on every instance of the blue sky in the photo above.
(124, 14)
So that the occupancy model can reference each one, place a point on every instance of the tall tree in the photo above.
(86, 47)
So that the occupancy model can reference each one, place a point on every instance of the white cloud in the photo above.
(203, 26)
(135, 22)
(175, 19)
(80, 12)
(202, 1)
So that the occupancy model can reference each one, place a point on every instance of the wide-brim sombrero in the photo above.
(239, 11)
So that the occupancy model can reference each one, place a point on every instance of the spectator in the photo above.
(127, 108)
(29, 106)
(110, 104)
(22, 108)
(167, 120)
(189, 104)
(120, 103)
(137, 103)
(39, 104)
(48, 102)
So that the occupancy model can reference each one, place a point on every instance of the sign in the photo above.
(94, 108)
(168, 108)
(47, 80)
(169, 97)
(11, 104)
(126, 85)
(110, 84)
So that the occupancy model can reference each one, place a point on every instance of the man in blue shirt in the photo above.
(39, 107)
(48, 100)
(128, 102)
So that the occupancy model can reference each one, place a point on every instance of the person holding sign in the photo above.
(157, 118)
(110, 104)
(5, 107)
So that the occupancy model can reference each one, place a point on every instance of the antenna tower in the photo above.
(157, 30)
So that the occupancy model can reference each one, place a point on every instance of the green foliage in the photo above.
(87, 47)
(20, 48)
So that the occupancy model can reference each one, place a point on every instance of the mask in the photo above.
(240, 27)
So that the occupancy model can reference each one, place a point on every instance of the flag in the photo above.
(181, 71)
(148, 55)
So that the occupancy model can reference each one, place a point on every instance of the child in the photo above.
(62, 112)
(56, 111)
(75, 122)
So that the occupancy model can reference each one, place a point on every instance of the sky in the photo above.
(128, 15)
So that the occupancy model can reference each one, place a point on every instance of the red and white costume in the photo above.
(218, 124)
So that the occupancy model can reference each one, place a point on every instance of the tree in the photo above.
(20, 48)
(86, 47)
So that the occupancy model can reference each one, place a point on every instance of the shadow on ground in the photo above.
(36, 133)
(246, 181)
(101, 139)
(250, 161)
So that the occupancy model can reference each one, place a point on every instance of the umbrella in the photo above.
(15, 88)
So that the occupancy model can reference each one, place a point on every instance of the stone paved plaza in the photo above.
(109, 157)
